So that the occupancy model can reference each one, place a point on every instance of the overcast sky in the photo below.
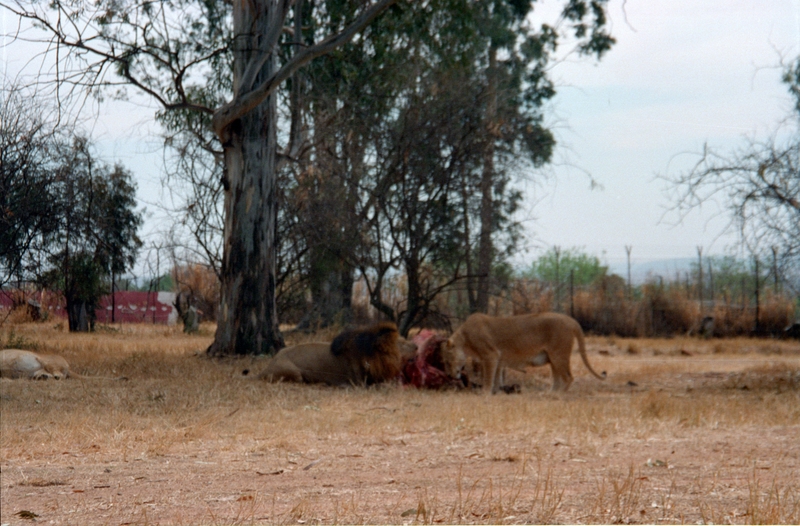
(683, 73)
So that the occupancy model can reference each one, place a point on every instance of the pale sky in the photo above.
(683, 73)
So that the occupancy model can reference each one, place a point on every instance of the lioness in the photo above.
(516, 342)
(16, 363)
(368, 356)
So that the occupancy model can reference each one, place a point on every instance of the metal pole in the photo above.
(711, 283)
(700, 277)
(757, 298)
(628, 249)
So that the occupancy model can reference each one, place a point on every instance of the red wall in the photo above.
(131, 307)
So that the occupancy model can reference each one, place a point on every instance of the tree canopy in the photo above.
(556, 265)
(70, 220)
(343, 128)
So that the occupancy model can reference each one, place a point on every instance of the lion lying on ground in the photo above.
(360, 357)
(16, 363)
(516, 342)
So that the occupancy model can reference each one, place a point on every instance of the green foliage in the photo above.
(91, 228)
(555, 265)
(733, 278)
(408, 114)
(26, 167)
(14, 341)
(791, 78)
(78, 275)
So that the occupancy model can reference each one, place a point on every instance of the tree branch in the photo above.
(243, 104)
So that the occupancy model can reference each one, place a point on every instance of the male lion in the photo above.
(15, 363)
(516, 341)
(360, 357)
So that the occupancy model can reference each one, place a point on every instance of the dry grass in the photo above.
(707, 433)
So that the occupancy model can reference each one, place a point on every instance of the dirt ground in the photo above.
(698, 432)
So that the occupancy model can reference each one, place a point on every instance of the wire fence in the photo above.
(611, 305)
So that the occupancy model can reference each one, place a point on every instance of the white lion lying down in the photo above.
(15, 363)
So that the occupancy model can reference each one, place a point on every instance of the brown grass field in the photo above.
(682, 431)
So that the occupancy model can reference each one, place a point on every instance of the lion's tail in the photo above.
(582, 349)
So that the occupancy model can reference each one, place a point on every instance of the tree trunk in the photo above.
(331, 291)
(376, 293)
(472, 300)
(413, 297)
(327, 216)
(485, 247)
(247, 321)
(113, 297)
(77, 317)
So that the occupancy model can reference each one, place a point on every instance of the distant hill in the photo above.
(669, 269)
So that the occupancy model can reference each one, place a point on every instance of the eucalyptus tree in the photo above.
(347, 96)
(161, 48)
(356, 96)
(426, 152)
(514, 63)
(501, 58)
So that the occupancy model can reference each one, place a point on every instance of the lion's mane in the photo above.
(372, 350)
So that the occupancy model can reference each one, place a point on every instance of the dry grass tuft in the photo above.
(11, 340)
(775, 504)
(619, 497)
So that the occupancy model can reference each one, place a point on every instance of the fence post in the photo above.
(113, 297)
(557, 251)
(744, 293)
(628, 249)
(758, 328)
(700, 278)
(711, 284)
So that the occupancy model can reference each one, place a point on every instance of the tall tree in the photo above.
(516, 87)
(159, 48)
(69, 221)
(96, 237)
(411, 56)
(27, 140)
(247, 128)
(346, 95)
